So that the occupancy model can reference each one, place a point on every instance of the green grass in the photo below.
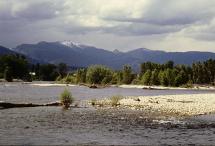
(115, 100)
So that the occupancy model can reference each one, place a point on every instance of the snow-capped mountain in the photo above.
(70, 44)
(81, 55)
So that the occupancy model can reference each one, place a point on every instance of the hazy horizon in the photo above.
(168, 25)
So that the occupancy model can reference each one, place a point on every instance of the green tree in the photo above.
(179, 79)
(81, 76)
(98, 73)
(170, 75)
(169, 65)
(163, 78)
(154, 80)
(148, 66)
(17, 64)
(48, 72)
(117, 77)
(146, 78)
(62, 69)
(127, 74)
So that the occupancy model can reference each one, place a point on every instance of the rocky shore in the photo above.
(176, 105)
(195, 87)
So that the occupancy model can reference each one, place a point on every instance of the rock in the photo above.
(93, 86)
(136, 99)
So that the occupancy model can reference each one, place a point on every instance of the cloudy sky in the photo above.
(171, 25)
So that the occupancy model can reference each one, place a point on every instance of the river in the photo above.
(89, 126)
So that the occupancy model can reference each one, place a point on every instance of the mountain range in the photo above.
(80, 55)
(4, 51)
(7, 51)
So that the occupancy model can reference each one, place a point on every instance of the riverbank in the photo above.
(170, 105)
(52, 85)
(195, 87)
(97, 86)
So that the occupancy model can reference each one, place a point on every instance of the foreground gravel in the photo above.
(187, 105)
(89, 126)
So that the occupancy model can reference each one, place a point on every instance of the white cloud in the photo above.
(167, 24)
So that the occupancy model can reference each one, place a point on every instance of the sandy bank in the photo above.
(195, 104)
(167, 88)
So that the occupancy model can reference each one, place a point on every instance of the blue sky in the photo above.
(170, 25)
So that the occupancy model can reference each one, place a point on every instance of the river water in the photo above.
(54, 126)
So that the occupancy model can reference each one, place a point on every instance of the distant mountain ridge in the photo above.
(83, 55)
(4, 51)
(7, 51)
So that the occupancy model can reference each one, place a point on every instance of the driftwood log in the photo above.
(4, 105)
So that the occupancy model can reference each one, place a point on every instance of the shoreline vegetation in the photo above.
(131, 86)
(150, 74)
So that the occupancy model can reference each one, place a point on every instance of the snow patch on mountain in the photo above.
(70, 44)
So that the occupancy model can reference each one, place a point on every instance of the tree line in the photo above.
(16, 66)
(167, 74)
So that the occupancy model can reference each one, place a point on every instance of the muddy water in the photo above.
(53, 125)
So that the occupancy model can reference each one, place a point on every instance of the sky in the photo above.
(169, 25)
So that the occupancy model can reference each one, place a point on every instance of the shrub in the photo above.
(188, 85)
(81, 76)
(98, 74)
(93, 102)
(70, 79)
(115, 100)
(135, 81)
(66, 98)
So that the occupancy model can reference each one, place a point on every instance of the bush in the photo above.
(66, 98)
(93, 102)
(115, 100)
(98, 74)
(188, 85)
(135, 81)
(70, 79)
